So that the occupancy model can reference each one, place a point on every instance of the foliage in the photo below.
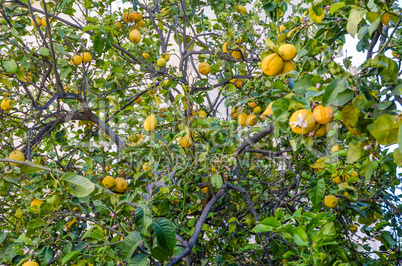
(227, 194)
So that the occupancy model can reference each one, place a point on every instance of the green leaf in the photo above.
(350, 117)
(386, 129)
(262, 228)
(356, 15)
(45, 255)
(337, 93)
(165, 233)
(272, 221)
(300, 237)
(78, 186)
(329, 231)
(316, 191)
(99, 44)
(70, 256)
(130, 244)
(35, 223)
(398, 157)
(44, 51)
(10, 66)
(216, 181)
(389, 71)
(336, 6)
(139, 260)
(160, 253)
(367, 170)
(356, 151)
(3, 237)
(143, 219)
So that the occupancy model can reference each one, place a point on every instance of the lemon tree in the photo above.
(200, 132)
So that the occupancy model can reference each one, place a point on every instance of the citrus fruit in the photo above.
(135, 36)
(118, 25)
(17, 156)
(234, 112)
(167, 57)
(145, 55)
(107, 168)
(38, 21)
(186, 141)
(251, 120)
(242, 119)
(86, 57)
(76, 60)
(147, 166)
(323, 114)
(287, 51)
(6, 105)
(121, 185)
(109, 182)
(302, 121)
(150, 123)
(136, 16)
(336, 147)
(287, 67)
(204, 68)
(272, 65)
(161, 62)
(331, 201)
(30, 263)
(252, 104)
(322, 130)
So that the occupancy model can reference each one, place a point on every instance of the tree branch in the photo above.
(254, 139)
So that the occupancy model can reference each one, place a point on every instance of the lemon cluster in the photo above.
(279, 64)
(304, 121)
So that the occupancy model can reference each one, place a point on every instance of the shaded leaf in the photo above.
(130, 244)
(78, 186)
(165, 233)
(143, 219)
(300, 237)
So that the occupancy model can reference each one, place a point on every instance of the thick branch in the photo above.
(254, 139)
(268, 153)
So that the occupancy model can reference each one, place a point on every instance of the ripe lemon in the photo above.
(242, 119)
(135, 36)
(251, 120)
(127, 17)
(204, 68)
(162, 110)
(323, 114)
(150, 123)
(272, 65)
(167, 57)
(257, 110)
(121, 185)
(109, 182)
(6, 105)
(16, 155)
(235, 54)
(213, 169)
(241, 9)
(353, 228)
(145, 55)
(147, 166)
(202, 114)
(204, 190)
(36, 202)
(331, 201)
(287, 51)
(252, 104)
(86, 57)
(186, 141)
(336, 148)
(28, 78)
(141, 23)
(234, 112)
(322, 130)
(118, 25)
(76, 60)
(239, 83)
(161, 62)
(30, 263)
(136, 16)
(287, 67)
(138, 100)
(38, 21)
(302, 121)
(71, 223)
(43, 22)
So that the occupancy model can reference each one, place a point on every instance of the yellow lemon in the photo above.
(147, 166)
(204, 68)
(17, 156)
(141, 23)
(251, 120)
(287, 67)
(107, 168)
(150, 123)
(6, 105)
(331, 201)
(136, 16)
(272, 65)
(336, 148)
(118, 25)
(322, 130)
(127, 17)
(242, 119)
(36, 202)
(86, 57)
(145, 55)
(252, 104)
(257, 110)
(38, 21)
(234, 112)
(161, 62)
(202, 114)
(167, 57)
(186, 141)
(30, 263)
(109, 182)
(43, 22)
(121, 185)
(302, 121)
(204, 190)
(323, 114)
(28, 78)
(287, 51)
(76, 60)
(235, 54)
(135, 36)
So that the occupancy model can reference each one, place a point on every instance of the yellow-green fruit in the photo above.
(287, 67)
(30, 263)
(161, 62)
(234, 112)
(241, 9)
(107, 168)
(109, 182)
(252, 104)
(272, 65)
(202, 114)
(257, 110)
(43, 22)
(331, 201)
(121, 185)
(36, 202)
(167, 57)
(38, 21)
(251, 120)
(145, 55)
(287, 51)
(17, 156)
(141, 23)
(118, 25)
(135, 36)
(150, 123)
(147, 166)
(86, 57)
(136, 16)
(336, 148)
(204, 68)
(353, 228)
(6, 105)
(322, 130)
(302, 121)
(127, 17)
(186, 141)
(76, 60)
(235, 54)
(242, 119)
